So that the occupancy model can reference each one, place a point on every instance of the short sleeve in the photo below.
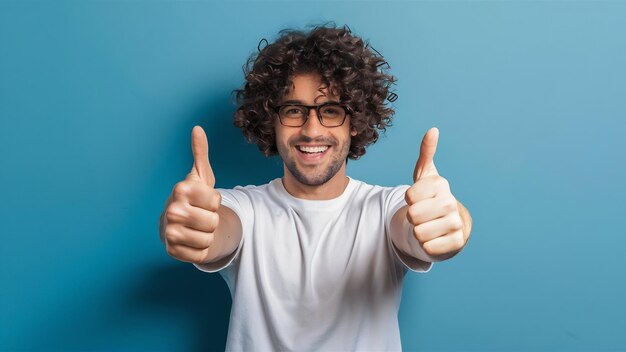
(239, 202)
(395, 201)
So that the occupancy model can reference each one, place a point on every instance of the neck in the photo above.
(333, 188)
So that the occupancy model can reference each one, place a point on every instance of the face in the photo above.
(312, 153)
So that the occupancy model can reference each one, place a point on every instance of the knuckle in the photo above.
(428, 249)
(208, 240)
(200, 256)
(412, 213)
(409, 196)
(174, 212)
(450, 204)
(170, 214)
(457, 223)
(181, 189)
(215, 221)
(419, 235)
(171, 234)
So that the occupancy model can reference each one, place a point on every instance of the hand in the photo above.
(433, 210)
(191, 216)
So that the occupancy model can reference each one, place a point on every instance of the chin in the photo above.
(313, 178)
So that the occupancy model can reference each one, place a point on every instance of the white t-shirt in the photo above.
(319, 275)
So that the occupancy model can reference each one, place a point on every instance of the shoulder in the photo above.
(246, 190)
(378, 191)
(252, 194)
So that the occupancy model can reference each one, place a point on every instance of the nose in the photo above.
(313, 127)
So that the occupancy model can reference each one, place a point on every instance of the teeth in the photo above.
(313, 149)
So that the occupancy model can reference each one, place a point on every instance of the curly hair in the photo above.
(354, 71)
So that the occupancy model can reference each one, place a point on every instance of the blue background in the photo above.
(97, 102)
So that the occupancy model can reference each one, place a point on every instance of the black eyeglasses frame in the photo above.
(317, 108)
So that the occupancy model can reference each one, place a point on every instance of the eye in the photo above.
(291, 110)
(332, 110)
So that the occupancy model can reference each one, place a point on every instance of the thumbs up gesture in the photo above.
(432, 209)
(191, 216)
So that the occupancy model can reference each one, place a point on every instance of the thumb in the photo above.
(425, 165)
(200, 148)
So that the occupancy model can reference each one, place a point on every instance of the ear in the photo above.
(353, 132)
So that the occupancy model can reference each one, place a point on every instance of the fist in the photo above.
(191, 214)
(432, 209)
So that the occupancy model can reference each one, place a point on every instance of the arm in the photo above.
(228, 233)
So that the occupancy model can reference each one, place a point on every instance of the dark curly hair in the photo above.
(354, 71)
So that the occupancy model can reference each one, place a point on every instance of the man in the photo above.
(314, 260)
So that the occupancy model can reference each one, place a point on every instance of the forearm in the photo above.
(227, 236)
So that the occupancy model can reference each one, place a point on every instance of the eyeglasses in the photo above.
(330, 114)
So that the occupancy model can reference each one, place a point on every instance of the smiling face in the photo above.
(313, 154)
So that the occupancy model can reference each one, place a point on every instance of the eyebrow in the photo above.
(300, 102)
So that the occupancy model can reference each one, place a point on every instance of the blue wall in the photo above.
(97, 102)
